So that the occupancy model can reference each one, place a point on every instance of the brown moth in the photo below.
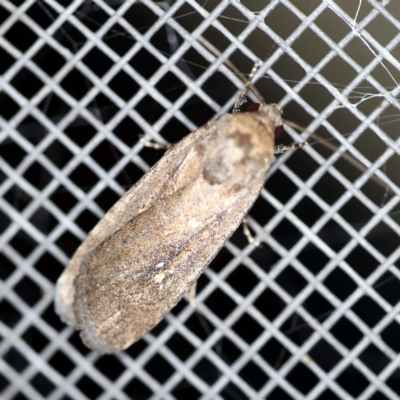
(155, 242)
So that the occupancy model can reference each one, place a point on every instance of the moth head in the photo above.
(247, 105)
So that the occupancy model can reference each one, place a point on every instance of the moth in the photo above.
(155, 242)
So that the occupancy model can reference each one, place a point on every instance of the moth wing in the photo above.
(149, 277)
(139, 198)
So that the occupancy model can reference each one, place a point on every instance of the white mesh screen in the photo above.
(314, 312)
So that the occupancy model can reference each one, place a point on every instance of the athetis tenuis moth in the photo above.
(155, 242)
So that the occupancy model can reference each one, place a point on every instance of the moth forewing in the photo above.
(156, 241)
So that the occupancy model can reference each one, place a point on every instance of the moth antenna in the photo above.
(251, 76)
(233, 68)
(333, 148)
(242, 96)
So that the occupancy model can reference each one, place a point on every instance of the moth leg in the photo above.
(242, 96)
(248, 234)
(154, 145)
(281, 148)
(192, 299)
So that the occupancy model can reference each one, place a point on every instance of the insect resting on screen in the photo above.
(155, 242)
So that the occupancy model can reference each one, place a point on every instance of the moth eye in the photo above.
(247, 105)
(278, 132)
(250, 107)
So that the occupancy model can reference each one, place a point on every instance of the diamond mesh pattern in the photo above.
(314, 312)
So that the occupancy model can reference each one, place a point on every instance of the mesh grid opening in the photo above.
(313, 313)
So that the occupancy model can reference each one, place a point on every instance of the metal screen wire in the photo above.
(311, 314)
